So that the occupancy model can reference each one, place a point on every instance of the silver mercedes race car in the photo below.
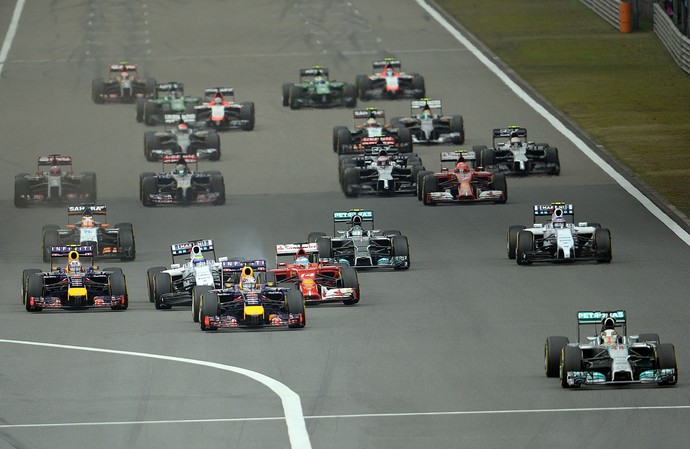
(428, 125)
(608, 355)
(558, 239)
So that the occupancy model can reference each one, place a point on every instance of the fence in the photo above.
(609, 10)
(669, 35)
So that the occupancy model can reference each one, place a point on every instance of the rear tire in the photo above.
(150, 143)
(149, 113)
(140, 109)
(286, 94)
(98, 91)
(351, 186)
(457, 125)
(50, 238)
(350, 95)
(21, 187)
(88, 186)
(126, 240)
(313, 237)
(405, 140)
(325, 247)
(551, 155)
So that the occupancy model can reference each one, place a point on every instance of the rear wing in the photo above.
(599, 320)
(511, 131)
(184, 248)
(237, 266)
(169, 86)
(169, 159)
(176, 118)
(346, 216)
(64, 251)
(210, 92)
(378, 65)
(292, 249)
(54, 159)
(95, 209)
(359, 114)
(314, 71)
(424, 103)
(455, 156)
(123, 67)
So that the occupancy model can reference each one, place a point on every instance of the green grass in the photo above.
(624, 90)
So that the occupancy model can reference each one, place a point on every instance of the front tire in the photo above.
(552, 355)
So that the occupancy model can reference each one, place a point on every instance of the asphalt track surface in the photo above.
(447, 354)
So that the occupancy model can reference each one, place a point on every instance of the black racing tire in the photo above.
(213, 141)
(313, 237)
(149, 186)
(150, 113)
(208, 308)
(405, 140)
(649, 338)
(197, 291)
(499, 182)
(325, 247)
(420, 181)
(336, 136)
(414, 171)
(21, 187)
(294, 302)
(350, 279)
(666, 359)
(511, 240)
(350, 95)
(142, 176)
(218, 185)
(286, 94)
(429, 184)
(457, 125)
(487, 157)
(351, 186)
(344, 145)
(98, 91)
(248, 113)
(150, 142)
(126, 240)
(418, 85)
(551, 156)
(341, 173)
(162, 284)
(571, 360)
(603, 245)
(525, 244)
(295, 95)
(26, 274)
(50, 238)
(363, 85)
(552, 355)
(150, 279)
(88, 186)
(34, 288)
(400, 248)
(139, 105)
(118, 287)
(477, 150)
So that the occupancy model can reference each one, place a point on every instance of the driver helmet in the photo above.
(218, 100)
(371, 121)
(559, 222)
(74, 266)
(181, 169)
(182, 127)
(198, 259)
(173, 94)
(319, 79)
(389, 71)
(383, 161)
(462, 167)
(609, 337)
(302, 261)
(124, 75)
(55, 170)
(87, 221)
(515, 140)
(426, 113)
(247, 283)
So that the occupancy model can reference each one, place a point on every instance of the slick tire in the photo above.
(552, 355)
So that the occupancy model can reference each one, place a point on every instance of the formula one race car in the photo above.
(370, 130)
(513, 153)
(387, 81)
(609, 356)
(54, 185)
(194, 270)
(221, 112)
(108, 242)
(251, 303)
(182, 138)
(559, 239)
(319, 282)
(316, 90)
(182, 185)
(362, 246)
(466, 183)
(169, 98)
(76, 286)
(380, 174)
(123, 85)
(431, 126)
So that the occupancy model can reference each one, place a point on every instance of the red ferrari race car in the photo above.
(319, 282)
(463, 184)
